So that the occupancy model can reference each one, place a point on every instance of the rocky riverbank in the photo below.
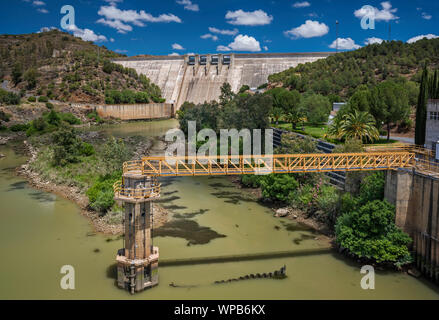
(289, 213)
(100, 223)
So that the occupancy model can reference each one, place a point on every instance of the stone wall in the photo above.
(416, 197)
(136, 111)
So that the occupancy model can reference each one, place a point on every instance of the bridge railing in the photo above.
(120, 192)
(235, 165)
(419, 150)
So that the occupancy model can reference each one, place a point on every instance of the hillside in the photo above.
(342, 73)
(66, 68)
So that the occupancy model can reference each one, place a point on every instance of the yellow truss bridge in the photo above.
(151, 168)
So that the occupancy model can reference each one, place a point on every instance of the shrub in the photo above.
(370, 232)
(277, 187)
(251, 181)
(19, 127)
(9, 97)
(4, 116)
(86, 149)
(32, 99)
(43, 99)
(327, 201)
(49, 106)
(70, 118)
(372, 187)
(100, 194)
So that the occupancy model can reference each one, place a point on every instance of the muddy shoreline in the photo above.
(81, 200)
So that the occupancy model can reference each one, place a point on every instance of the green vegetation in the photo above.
(77, 70)
(366, 227)
(232, 112)
(368, 109)
(43, 99)
(9, 98)
(341, 74)
(48, 122)
(358, 125)
(429, 90)
(362, 221)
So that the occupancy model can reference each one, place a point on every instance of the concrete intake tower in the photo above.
(137, 262)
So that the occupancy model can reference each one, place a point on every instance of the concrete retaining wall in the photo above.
(416, 197)
(136, 111)
(181, 82)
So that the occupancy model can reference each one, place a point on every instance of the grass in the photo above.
(319, 131)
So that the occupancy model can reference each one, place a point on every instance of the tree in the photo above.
(358, 125)
(421, 110)
(226, 93)
(17, 73)
(390, 104)
(276, 113)
(30, 76)
(316, 107)
(65, 147)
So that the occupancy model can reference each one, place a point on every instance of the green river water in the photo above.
(41, 232)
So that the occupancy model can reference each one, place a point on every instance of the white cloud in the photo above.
(373, 40)
(242, 43)
(116, 24)
(113, 2)
(265, 48)
(303, 4)
(309, 29)
(345, 44)
(38, 3)
(121, 51)
(177, 46)
(420, 37)
(209, 36)
(47, 29)
(244, 18)
(42, 10)
(174, 54)
(86, 34)
(386, 14)
(119, 19)
(188, 5)
(224, 32)
(426, 16)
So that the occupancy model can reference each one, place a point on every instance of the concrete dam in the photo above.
(198, 78)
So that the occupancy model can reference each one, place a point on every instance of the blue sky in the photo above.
(164, 27)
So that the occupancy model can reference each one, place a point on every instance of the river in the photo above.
(41, 232)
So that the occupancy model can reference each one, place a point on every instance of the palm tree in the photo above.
(358, 125)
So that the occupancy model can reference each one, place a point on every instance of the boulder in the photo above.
(2, 155)
(282, 212)
(414, 272)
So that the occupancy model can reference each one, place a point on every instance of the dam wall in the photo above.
(197, 82)
(136, 111)
(416, 198)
